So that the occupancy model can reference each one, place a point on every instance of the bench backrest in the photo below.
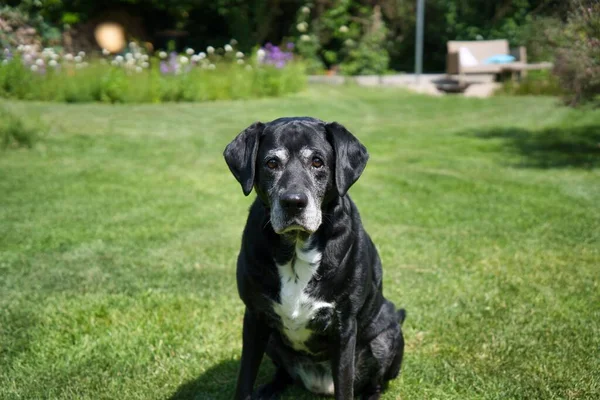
(481, 49)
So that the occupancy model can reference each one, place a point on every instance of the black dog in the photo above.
(307, 271)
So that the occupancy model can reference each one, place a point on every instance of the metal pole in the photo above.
(419, 41)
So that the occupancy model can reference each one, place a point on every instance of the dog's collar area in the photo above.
(297, 237)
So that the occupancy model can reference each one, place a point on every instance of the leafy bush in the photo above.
(577, 62)
(17, 26)
(369, 57)
(537, 83)
(15, 131)
(346, 35)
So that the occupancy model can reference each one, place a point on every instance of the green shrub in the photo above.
(370, 56)
(105, 83)
(577, 62)
(16, 131)
(537, 83)
(345, 35)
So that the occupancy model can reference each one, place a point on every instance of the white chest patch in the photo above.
(296, 308)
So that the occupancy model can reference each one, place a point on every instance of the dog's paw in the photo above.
(266, 392)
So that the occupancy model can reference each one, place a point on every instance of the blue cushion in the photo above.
(499, 59)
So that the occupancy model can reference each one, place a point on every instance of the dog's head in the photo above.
(296, 165)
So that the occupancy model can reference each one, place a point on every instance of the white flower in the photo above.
(34, 68)
(78, 59)
(78, 66)
(138, 69)
(20, 47)
(81, 54)
(239, 54)
(69, 57)
(210, 49)
(52, 63)
(195, 58)
(305, 10)
(145, 64)
(114, 62)
(39, 62)
(248, 68)
(137, 56)
(84, 64)
(129, 56)
(202, 55)
(131, 62)
(211, 66)
(144, 57)
(183, 60)
(162, 54)
(119, 59)
(302, 27)
(305, 38)
(54, 56)
(27, 58)
(4, 62)
(240, 61)
(233, 42)
(228, 48)
(189, 51)
(260, 54)
(105, 52)
(133, 45)
(349, 42)
(344, 29)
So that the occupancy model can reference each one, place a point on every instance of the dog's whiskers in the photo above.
(266, 223)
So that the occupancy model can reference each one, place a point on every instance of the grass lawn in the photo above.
(120, 229)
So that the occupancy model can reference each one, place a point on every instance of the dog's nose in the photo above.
(293, 202)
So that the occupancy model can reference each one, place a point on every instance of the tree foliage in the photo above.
(255, 22)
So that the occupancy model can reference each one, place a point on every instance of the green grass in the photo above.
(119, 233)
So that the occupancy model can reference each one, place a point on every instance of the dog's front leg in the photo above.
(254, 341)
(343, 359)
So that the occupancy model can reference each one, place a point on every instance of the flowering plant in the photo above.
(273, 55)
(27, 72)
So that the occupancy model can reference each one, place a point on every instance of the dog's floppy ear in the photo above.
(350, 156)
(240, 155)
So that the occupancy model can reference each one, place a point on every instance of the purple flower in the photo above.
(164, 68)
(290, 45)
(275, 56)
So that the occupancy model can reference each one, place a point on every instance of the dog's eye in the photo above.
(272, 163)
(317, 162)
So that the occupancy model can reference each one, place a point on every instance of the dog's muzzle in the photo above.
(295, 211)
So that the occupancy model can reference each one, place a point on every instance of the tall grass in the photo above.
(101, 82)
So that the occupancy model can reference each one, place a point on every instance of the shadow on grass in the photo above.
(218, 382)
(555, 147)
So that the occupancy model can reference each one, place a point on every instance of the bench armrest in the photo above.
(520, 53)
(452, 64)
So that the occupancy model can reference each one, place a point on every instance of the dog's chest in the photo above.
(296, 307)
